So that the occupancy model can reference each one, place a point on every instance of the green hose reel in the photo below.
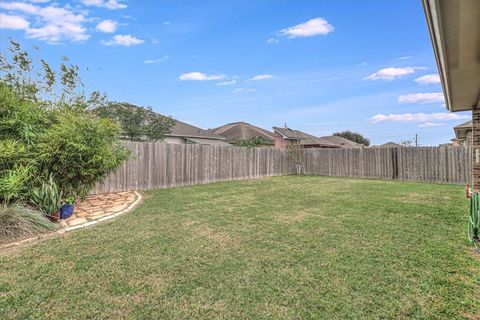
(474, 220)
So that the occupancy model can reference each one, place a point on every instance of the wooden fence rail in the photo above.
(428, 164)
(161, 165)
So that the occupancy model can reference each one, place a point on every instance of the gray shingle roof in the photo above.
(345, 143)
(389, 145)
(241, 130)
(182, 129)
(211, 142)
(465, 125)
(304, 138)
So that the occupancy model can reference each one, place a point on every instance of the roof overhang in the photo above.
(186, 136)
(461, 133)
(455, 32)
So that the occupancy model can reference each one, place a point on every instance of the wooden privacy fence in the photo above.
(428, 164)
(161, 165)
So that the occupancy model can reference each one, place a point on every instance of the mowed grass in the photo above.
(277, 248)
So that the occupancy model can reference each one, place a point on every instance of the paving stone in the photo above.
(72, 217)
(97, 202)
(77, 221)
(82, 214)
(118, 208)
(97, 213)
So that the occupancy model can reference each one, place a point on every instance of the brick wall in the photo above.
(475, 145)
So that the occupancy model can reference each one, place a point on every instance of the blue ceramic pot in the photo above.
(66, 210)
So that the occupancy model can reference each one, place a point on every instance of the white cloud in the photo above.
(53, 24)
(428, 79)
(166, 23)
(415, 117)
(404, 58)
(243, 90)
(107, 26)
(226, 83)
(157, 60)
(391, 73)
(261, 77)
(108, 4)
(200, 76)
(313, 27)
(20, 6)
(422, 98)
(13, 22)
(272, 40)
(124, 40)
(431, 124)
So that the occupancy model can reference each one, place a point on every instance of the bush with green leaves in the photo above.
(47, 130)
(253, 142)
(80, 150)
(47, 198)
(353, 136)
(17, 221)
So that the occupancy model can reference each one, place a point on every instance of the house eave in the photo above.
(193, 136)
(454, 28)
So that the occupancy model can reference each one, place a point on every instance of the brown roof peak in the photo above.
(241, 130)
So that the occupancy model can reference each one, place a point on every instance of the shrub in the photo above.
(18, 221)
(47, 198)
(253, 142)
(353, 136)
(21, 124)
(47, 130)
(80, 149)
(14, 182)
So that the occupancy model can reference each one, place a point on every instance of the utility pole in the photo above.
(416, 140)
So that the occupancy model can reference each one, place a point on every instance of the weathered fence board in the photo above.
(161, 165)
(428, 164)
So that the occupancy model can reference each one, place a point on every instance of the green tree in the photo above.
(407, 143)
(353, 136)
(253, 142)
(46, 129)
(137, 123)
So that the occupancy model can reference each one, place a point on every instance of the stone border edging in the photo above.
(77, 227)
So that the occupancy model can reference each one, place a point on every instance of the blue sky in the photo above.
(319, 66)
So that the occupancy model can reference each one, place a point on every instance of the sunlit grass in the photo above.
(288, 247)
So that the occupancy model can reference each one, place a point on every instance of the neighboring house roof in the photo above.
(184, 130)
(304, 138)
(211, 142)
(389, 145)
(462, 129)
(345, 143)
(455, 32)
(466, 124)
(241, 131)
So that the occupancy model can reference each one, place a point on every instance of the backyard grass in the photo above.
(286, 247)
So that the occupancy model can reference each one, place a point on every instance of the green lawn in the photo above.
(287, 247)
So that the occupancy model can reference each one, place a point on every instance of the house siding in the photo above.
(178, 140)
(280, 142)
